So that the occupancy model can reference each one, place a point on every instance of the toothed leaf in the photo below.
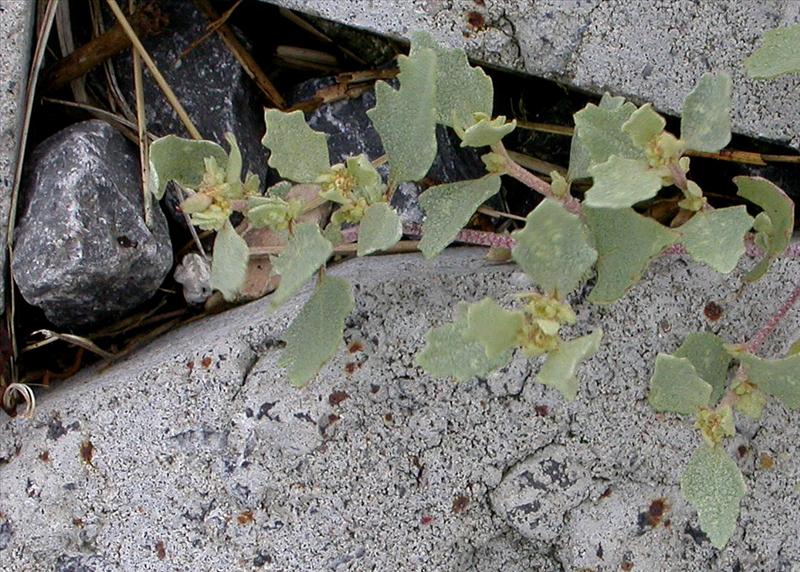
(706, 117)
(380, 229)
(714, 485)
(559, 368)
(305, 252)
(626, 242)
(461, 89)
(716, 237)
(492, 326)
(600, 131)
(780, 210)
(710, 359)
(619, 183)
(644, 125)
(553, 248)
(448, 354)
(448, 209)
(778, 54)
(316, 332)
(777, 377)
(297, 152)
(181, 160)
(676, 387)
(229, 262)
(406, 118)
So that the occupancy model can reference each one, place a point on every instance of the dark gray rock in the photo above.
(351, 133)
(83, 253)
(209, 82)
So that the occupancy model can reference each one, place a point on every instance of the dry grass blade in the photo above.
(246, 60)
(51, 336)
(67, 44)
(500, 214)
(211, 29)
(126, 127)
(536, 165)
(144, 143)
(307, 59)
(25, 392)
(46, 25)
(308, 27)
(160, 81)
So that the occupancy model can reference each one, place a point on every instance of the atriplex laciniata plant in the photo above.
(623, 149)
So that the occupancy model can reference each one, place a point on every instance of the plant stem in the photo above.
(515, 170)
(753, 345)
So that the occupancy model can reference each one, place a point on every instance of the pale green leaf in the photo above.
(777, 377)
(305, 252)
(779, 54)
(380, 229)
(492, 326)
(626, 242)
(644, 125)
(233, 170)
(297, 152)
(560, 366)
(279, 189)
(406, 118)
(553, 248)
(780, 210)
(619, 183)
(229, 262)
(600, 131)
(316, 332)
(461, 89)
(710, 359)
(181, 160)
(714, 485)
(706, 117)
(716, 237)
(676, 387)
(487, 131)
(580, 159)
(448, 209)
(448, 354)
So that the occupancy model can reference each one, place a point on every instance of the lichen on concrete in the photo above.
(196, 454)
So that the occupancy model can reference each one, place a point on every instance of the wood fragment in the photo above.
(148, 20)
(247, 61)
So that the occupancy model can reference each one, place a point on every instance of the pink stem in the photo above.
(770, 326)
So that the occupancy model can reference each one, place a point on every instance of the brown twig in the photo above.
(144, 143)
(162, 83)
(148, 20)
(211, 29)
(247, 61)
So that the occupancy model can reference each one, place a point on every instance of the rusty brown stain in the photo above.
(460, 504)
(336, 397)
(77, 522)
(389, 418)
(44, 456)
(742, 450)
(355, 347)
(656, 510)
(476, 21)
(542, 410)
(350, 367)
(190, 366)
(766, 461)
(206, 362)
(606, 493)
(87, 452)
(161, 550)
(333, 418)
(426, 520)
(626, 566)
(713, 311)
(480, 3)
(245, 517)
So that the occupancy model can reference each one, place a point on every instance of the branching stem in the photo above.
(762, 334)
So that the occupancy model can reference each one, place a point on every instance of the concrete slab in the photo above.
(16, 37)
(196, 454)
(647, 50)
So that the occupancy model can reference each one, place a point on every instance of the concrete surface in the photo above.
(16, 38)
(648, 50)
(196, 454)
